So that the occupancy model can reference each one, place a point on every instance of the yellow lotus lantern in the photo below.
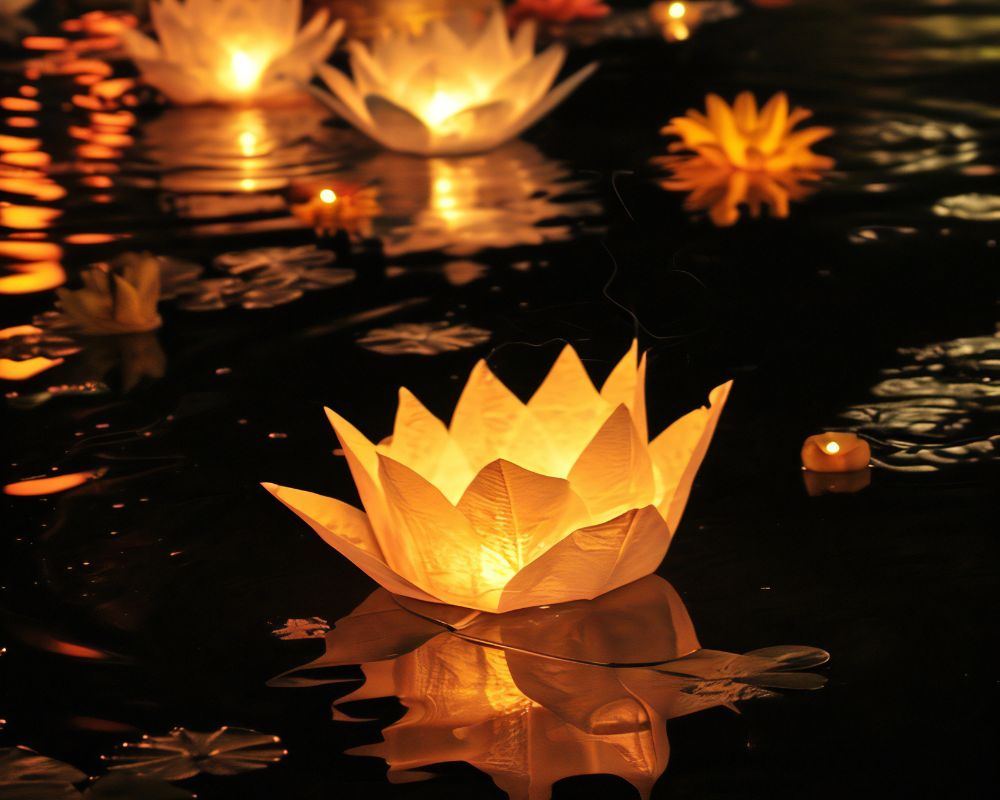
(451, 89)
(516, 504)
(231, 51)
(120, 297)
(742, 137)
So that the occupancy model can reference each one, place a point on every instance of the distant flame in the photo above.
(328, 196)
(676, 10)
(832, 448)
(245, 71)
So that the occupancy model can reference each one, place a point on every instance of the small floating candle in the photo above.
(835, 452)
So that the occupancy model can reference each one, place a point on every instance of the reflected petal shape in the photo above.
(116, 298)
(516, 505)
(545, 699)
(450, 89)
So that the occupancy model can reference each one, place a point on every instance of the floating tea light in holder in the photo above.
(331, 208)
(452, 89)
(835, 463)
(231, 51)
(678, 20)
(516, 505)
(835, 452)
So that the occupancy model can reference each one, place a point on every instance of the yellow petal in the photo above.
(484, 417)
(346, 529)
(435, 544)
(677, 454)
(591, 561)
(772, 123)
(518, 513)
(569, 408)
(614, 472)
(745, 112)
(421, 442)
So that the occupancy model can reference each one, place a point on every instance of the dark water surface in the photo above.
(147, 598)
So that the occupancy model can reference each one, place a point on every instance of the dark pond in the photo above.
(170, 590)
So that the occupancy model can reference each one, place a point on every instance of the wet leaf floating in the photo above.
(264, 277)
(423, 338)
(740, 155)
(230, 51)
(183, 754)
(309, 628)
(26, 775)
(116, 298)
(516, 505)
(451, 89)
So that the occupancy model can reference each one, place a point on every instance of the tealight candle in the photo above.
(835, 452)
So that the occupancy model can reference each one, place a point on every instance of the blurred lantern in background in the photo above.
(455, 88)
(231, 51)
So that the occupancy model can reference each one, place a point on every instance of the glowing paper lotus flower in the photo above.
(226, 51)
(556, 11)
(451, 89)
(116, 298)
(741, 137)
(516, 505)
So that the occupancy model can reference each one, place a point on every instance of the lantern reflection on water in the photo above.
(535, 696)
(516, 505)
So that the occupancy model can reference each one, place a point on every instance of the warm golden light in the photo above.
(516, 505)
(248, 143)
(54, 484)
(244, 71)
(328, 196)
(450, 89)
(676, 10)
(220, 68)
(835, 452)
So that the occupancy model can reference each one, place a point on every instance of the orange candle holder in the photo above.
(835, 452)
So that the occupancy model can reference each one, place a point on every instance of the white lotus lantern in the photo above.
(231, 51)
(450, 90)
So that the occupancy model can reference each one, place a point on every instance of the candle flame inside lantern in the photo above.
(442, 105)
(832, 448)
(245, 71)
(328, 196)
(676, 10)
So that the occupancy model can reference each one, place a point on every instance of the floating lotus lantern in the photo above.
(516, 505)
(740, 155)
(451, 89)
(120, 297)
(741, 137)
(556, 12)
(231, 51)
